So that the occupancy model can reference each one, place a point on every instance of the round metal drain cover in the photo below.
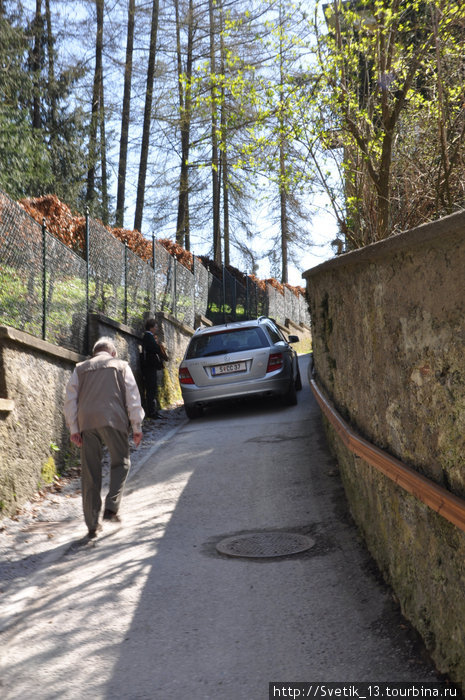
(265, 544)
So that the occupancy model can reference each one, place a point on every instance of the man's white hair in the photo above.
(104, 345)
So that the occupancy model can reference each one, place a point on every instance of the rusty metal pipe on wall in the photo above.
(436, 497)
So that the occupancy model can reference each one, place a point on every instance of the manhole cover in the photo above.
(265, 544)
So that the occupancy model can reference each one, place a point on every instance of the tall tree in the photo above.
(144, 153)
(185, 116)
(217, 254)
(381, 84)
(41, 127)
(22, 155)
(125, 119)
(274, 151)
(224, 94)
(96, 104)
(103, 153)
(36, 64)
(52, 88)
(224, 145)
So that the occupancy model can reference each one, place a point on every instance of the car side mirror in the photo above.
(293, 339)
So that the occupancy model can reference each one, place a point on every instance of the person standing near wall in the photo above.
(152, 358)
(101, 402)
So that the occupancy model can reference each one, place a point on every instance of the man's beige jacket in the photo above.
(102, 392)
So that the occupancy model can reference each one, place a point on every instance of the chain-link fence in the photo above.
(48, 290)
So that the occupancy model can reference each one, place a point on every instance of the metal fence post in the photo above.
(235, 299)
(154, 275)
(87, 244)
(175, 286)
(193, 289)
(126, 283)
(224, 294)
(44, 280)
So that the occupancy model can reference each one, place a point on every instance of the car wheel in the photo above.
(298, 380)
(193, 411)
(290, 397)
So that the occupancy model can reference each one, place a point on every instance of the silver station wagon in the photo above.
(237, 360)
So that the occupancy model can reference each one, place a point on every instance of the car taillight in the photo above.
(275, 361)
(184, 376)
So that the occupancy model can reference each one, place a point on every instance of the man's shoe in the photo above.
(93, 532)
(111, 515)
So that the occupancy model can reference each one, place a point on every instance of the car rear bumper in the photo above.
(268, 386)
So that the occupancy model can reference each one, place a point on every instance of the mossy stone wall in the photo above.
(175, 336)
(34, 441)
(389, 350)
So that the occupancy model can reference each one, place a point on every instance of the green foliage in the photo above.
(388, 77)
(23, 154)
(48, 472)
(65, 297)
(169, 391)
(46, 158)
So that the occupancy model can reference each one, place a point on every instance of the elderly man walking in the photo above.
(102, 400)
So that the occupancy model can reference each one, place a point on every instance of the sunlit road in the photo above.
(153, 611)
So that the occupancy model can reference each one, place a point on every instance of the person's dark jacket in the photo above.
(152, 353)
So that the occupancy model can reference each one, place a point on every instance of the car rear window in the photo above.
(227, 341)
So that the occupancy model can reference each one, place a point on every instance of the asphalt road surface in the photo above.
(152, 610)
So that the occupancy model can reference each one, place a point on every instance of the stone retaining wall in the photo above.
(33, 437)
(389, 351)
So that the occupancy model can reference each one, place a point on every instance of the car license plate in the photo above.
(230, 368)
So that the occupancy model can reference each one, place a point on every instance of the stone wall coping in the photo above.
(181, 326)
(295, 326)
(452, 226)
(116, 325)
(30, 341)
(201, 320)
(282, 328)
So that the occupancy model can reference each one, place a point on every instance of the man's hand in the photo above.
(76, 438)
(137, 437)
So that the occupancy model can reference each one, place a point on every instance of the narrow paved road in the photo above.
(152, 611)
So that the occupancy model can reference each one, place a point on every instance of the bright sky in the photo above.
(323, 231)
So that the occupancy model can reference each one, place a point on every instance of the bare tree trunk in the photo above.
(125, 117)
(443, 187)
(90, 195)
(224, 153)
(284, 217)
(282, 167)
(226, 233)
(185, 107)
(103, 156)
(144, 153)
(383, 184)
(214, 157)
(51, 71)
(36, 64)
